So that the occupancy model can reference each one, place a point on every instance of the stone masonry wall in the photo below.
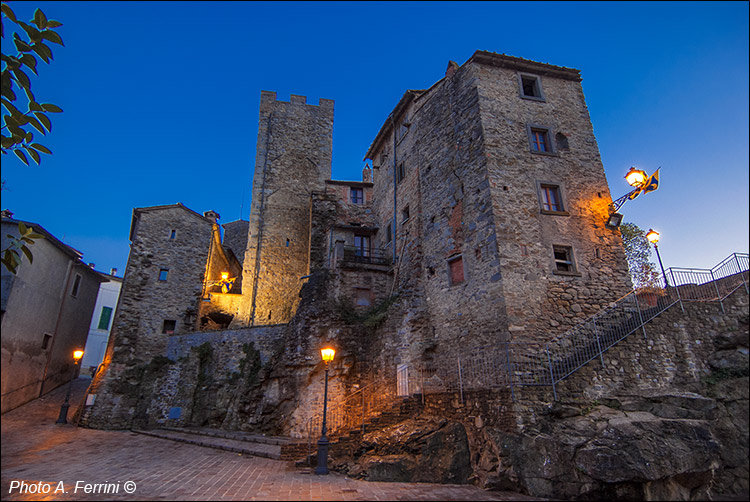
(540, 300)
(293, 160)
(145, 303)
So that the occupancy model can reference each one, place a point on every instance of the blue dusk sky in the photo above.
(161, 99)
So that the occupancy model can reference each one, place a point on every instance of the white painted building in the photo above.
(101, 322)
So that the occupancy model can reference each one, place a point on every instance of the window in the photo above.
(104, 318)
(76, 286)
(550, 198)
(362, 245)
(163, 273)
(405, 215)
(540, 140)
(456, 270)
(400, 172)
(363, 297)
(169, 326)
(46, 338)
(531, 87)
(357, 195)
(389, 232)
(403, 128)
(173, 234)
(563, 259)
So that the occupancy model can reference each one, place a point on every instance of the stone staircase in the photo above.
(257, 445)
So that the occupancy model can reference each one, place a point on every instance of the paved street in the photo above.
(121, 465)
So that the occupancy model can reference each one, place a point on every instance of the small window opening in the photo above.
(530, 87)
(456, 269)
(163, 273)
(168, 326)
(389, 232)
(540, 140)
(598, 253)
(287, 243)
(76, 286)
(550, 195)
(562, 141)
(563, 259)
(173, 234)
(46, 339)
(363, 296)
(405, 215)
(357, 195)
(400, 172)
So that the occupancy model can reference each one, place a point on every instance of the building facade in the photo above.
(101, 322)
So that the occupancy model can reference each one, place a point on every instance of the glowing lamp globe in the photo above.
(224, 276)
(77, 354)
(636, 177)
(652, 236)
(327, 354)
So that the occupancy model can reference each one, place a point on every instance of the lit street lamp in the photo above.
(653, 237)
(63, 418)
(322, 468)
(641, 183)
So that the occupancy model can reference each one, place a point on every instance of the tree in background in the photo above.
(17, 133)
(638, 253)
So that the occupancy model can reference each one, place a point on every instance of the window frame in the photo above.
(166, 274)
(164, 329)
(101, 318)
(540, 190)
(405, 214)
(367, 291)
(173, 234)
(531, 129)
(400, 172)
(364, 248)
(537, 85)
(571, 260)
(357, 200)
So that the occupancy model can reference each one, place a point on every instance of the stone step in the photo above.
(236, 435)
(272, 451)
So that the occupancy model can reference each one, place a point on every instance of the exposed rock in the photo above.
(419, 450)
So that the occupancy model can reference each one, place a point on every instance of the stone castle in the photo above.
(479, 221)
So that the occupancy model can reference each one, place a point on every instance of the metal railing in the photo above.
(353, 254)
(511, 364)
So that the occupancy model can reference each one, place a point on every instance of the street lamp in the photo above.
(653, 237)
(322, 468)
(63, 418)
(641, 182)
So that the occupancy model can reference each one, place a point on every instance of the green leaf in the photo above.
(8, 93)
(51, 23)
(35, 107)
(28, 254)
(44, 120)
(27, 240)
(36, 236)
(34, 155)
(44, 52)
(29, 94)
(34, 34)
(9, 106)
(22, 46)
(52, 37)
(22, 78)
(40, 19)
(30, 61)
(7, 142)
(41, 148)
(29, 137)
(21, 156)
(9, 12)
(49, 107)
(6, 258)
(36, 125)
(22, 228)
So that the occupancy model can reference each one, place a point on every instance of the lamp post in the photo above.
(636, 178)
(322, 468)
(653, 237)
(63, 418)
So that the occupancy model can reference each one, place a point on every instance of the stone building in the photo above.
(46, 310)
(480, 221)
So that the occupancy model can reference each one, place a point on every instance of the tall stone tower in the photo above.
(293, 160)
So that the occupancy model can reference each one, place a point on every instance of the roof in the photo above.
(72, 252)
(479, 57)
(350, 183)
(138, 210)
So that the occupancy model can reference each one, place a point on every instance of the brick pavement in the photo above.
(35, 449)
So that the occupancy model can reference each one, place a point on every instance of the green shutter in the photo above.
(104, 319)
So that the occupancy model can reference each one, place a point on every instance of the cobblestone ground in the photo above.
(129, 466)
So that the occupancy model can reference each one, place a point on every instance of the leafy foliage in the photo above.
(12, 254)
(638, 253)
(17, 133)
(370, 318)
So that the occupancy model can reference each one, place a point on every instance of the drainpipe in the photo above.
(57, 326)
(395, 183)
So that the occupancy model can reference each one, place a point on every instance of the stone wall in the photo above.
(146, 303)
(293, 160)
(266, 340)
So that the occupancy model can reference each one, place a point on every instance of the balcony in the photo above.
(353, 254)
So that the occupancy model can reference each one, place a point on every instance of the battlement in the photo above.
(268, 97)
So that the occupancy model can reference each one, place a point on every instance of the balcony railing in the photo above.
(372, 256)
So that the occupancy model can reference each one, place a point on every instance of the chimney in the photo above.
(5, 213)
(452, 67)
(113, 271)
(367, 174)
(212, 215)
(92, 265)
